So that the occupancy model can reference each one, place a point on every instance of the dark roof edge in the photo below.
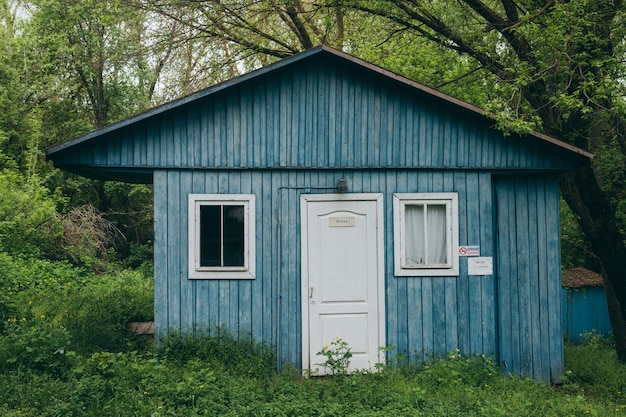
(284, 62)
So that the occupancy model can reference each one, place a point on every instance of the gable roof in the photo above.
(67, 154)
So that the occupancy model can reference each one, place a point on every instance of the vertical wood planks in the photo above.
(555, 337)
(487, 241)
(503, 272)
(529, 276)
(174, 225)
(476, 295)
(161, 288)
(181, 245)
(317, 115)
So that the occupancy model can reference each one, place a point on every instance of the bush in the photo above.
(211, 383)
(238, 356)
(98, 314)
(26, 282)
(94, 309)
(592, 368)
(34, 345)
(88, 237)
(53, 362)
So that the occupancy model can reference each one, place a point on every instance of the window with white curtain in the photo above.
(221, 236)
(426, 234)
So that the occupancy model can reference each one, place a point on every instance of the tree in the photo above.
(243, 35)
(19, 123)
(92, 46)
(97, 62)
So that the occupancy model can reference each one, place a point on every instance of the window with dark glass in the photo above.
(222, 236)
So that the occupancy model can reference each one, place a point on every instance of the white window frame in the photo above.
(248, 270)
(450, 200)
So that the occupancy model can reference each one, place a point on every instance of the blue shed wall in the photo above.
(585, 310)
(528, 259)
(426, 317)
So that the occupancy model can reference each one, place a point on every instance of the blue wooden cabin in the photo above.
(323, 197)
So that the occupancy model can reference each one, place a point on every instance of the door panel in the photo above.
(342, 276)
(338, 253)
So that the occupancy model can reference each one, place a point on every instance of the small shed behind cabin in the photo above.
(585, 308)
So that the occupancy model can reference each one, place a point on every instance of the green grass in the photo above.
(137, 384)
(65, 350)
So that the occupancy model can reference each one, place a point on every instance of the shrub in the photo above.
(35, 345)
(113, 384)
(592, 368)
(98, 315)
(94, 309)
(26, 282)
(87, 236)
(239, 356)
(458, 370)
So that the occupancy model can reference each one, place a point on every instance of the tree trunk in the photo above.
(596, 217)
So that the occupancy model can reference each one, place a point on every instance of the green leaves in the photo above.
(34, 344)
(337, 354)
(28, 218)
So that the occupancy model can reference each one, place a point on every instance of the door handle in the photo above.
(310, 292)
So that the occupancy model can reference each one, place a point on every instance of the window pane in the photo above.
(415, 253)
(437, 245)
(234, 236)
(210, 233)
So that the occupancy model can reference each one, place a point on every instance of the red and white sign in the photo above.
(469, 250)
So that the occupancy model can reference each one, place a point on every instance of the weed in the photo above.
(337, 355)
(391, 358)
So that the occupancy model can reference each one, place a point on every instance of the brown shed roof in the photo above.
(580, 277)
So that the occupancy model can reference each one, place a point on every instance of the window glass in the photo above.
(210, 235)
(426, 234)
(233, 236)
(415, 253)
(437, 242)
(221, 236)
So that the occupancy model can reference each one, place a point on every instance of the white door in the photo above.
(342, 277)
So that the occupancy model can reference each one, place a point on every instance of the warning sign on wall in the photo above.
(469, 250)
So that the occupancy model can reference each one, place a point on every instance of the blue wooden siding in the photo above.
(585, 310)
(319, 114)
(426, 317)
(529, 276)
